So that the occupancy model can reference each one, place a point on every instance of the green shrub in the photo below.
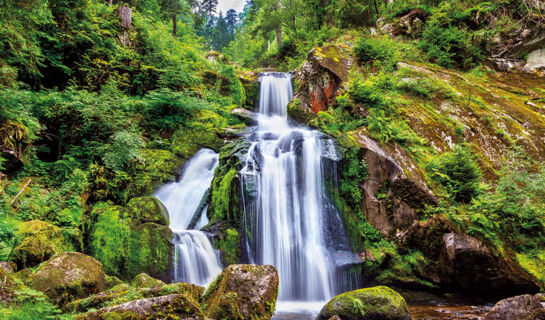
(458, 173)
(381, 52)
(124, 149)
(446, 40)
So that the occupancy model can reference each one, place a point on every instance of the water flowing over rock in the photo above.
(195, 260)
(242, 292)
(290, 221)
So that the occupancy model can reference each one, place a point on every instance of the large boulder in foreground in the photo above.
(517, 308)
(174, 306)
(69, 276)
(242, 292)
(367, 304)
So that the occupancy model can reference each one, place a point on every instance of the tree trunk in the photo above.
(111, 2)
(279, 36)
(376, 7)
(174, 24)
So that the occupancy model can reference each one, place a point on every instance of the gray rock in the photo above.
(177, 305)
(515, 308)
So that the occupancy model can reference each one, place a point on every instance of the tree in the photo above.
(231, 18)
(209, 7)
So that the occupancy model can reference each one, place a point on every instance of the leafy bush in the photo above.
(124, 149)
(381, 52)
(446, 42)
(458, 173)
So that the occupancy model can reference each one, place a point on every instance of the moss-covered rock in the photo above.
(144, 281)
(40, 241)
(112, 281)
(150, 250)
(242, 292)
(367, 304)
(175, 306)
(9, 267)
(69, 276)
(126, 246)
(124, 293)
(148, 209)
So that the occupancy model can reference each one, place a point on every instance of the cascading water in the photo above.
(195, 260)
(290, 221)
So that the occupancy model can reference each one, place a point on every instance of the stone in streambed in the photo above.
(367, 304)
(242, 292)
(523, 307)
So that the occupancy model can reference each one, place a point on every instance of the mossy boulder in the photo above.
(112, 281)
(148, 209)
(40, 241)
(242, 292)
(150, 250)
(367, 304)
(126, 246)
(144, 281)
(69, 276)
(175, 306)
(9, 267)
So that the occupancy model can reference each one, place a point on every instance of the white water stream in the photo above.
(195, 259)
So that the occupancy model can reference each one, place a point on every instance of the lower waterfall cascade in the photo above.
(195, 259)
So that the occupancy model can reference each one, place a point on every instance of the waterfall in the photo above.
(195, 259)
(290, 221)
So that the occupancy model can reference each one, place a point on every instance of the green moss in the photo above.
(127, 247)
(148, 209)
(144, 281)
(229, 245)
(40, 241)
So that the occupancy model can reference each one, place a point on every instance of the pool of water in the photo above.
(419, 311)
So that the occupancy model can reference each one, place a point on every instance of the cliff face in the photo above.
(491, 113)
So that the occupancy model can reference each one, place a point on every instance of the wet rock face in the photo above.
(319, 79)
(69, 276)
(525, 307)
(175, 306)
(242, 292)
(369, 303)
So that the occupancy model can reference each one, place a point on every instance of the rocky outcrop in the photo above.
(370, 303)
(175, 306)
(242, 292)
(525, 307)
(68, 276)
(410, 25)
(319, 79)
(395, 190)
(464, 263)
(9, 267)
(40, 241)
